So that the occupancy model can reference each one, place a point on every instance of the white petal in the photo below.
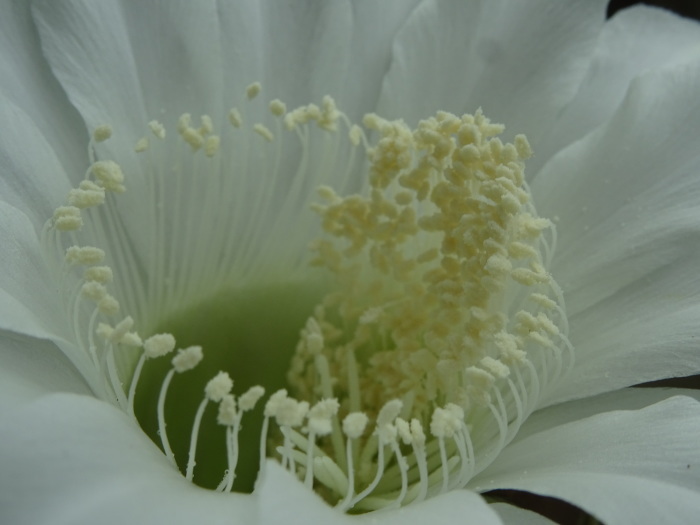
(625, 399)
(628, 245)
(633, 467)
(124, 64)
(520, 62)
(88, 48)
(458, 506)
(73, 459)
(305, 50)
(291, 503)
(294, 504)
(517, 516)
(176, 51)
(31, 176)
(31, 368)
(632, 42)
(26, 302)
(28, 82)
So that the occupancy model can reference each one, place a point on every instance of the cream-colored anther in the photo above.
(329, 114)
(253, 90)
(99, 274)
(211, 145)
(227, 411)
(417, 432)
(86, 198)
(206, 125)
(355, 135)
(291, 413)
(157, 129)
(109, 174)
(403, 429)
(321, 415)
(250, 398)
(234, 117)
(273, 404)
(218, 386)
(183, 122)
(265, 133)
(495, 367)
(121, 329)
(543, 301)
(84, 255)
(187, 358)
(102, 133)
(193, 137)
(104, 331)
(67, 218)
(131, 339)
(142, 145)
(445, 422)
(479, 383)
(159, 345)
(508, 345)
(108, 305)
(389, 412)
(277, 107)
(354, 424)
(93, 290)
(89, 185)
(522, 146)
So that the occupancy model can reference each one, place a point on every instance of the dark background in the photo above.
(689, 8)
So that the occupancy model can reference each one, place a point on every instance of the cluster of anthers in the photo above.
(440, 336)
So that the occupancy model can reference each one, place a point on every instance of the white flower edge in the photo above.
(623, 466)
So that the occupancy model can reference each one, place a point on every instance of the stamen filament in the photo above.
(191, 462)
(162, 430)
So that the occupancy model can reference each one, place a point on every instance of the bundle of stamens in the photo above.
(440, 334)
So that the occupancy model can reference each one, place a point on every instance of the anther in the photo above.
(102, 133)
(158, 345)
(320, 423)
(253, 90)
(265, 133)
(277, 108)
(99, 274)
(109, 174)
(157, 129)
(86, 197)
(67, 218)
(234, 117)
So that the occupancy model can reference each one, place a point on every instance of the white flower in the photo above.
(611, 112)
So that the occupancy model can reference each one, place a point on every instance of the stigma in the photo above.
(438, 330)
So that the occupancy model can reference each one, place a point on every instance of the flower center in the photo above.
(395, 366)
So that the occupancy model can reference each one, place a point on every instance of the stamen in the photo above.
(386, 435)
(320, 424)
(216, 389)
(354, 426)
